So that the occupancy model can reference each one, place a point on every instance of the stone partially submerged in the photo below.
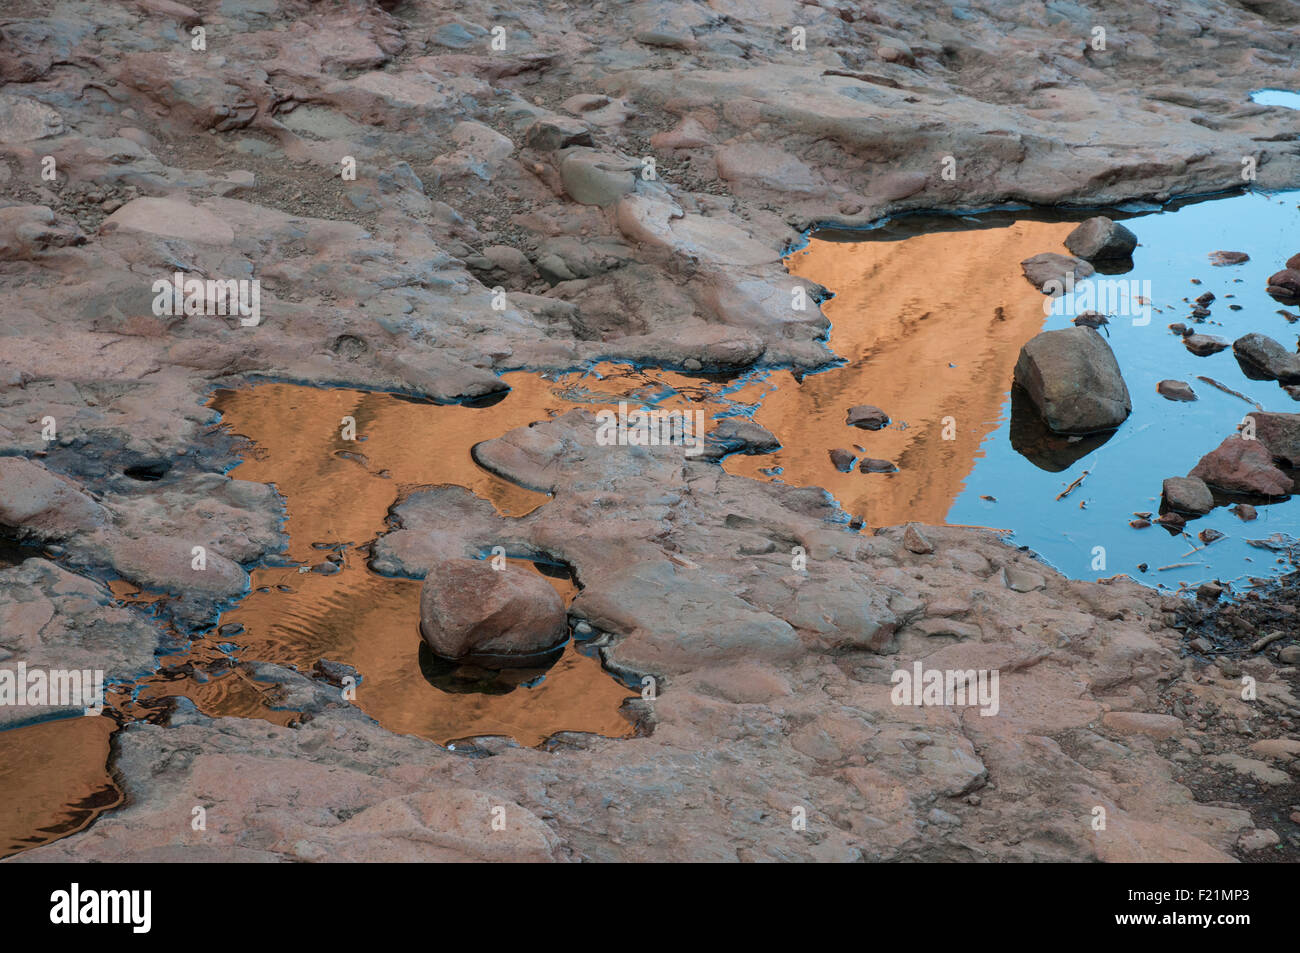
(1072, 377)
(1100, 239)
(1244, 466)
(506, 617)
(1051, 273)
(1280, 434)
(1263, 358)
(1188, 495)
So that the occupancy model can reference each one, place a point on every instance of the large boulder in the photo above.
(1263, 358)
(505, 617)
(1100, 239)
(1072, 377)
(1242, 466)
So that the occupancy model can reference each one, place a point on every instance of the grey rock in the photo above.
(739, 435)
(1176, 390)
(1267, 358)
(1072, 377)
(552, 133)
(1188, 495)
(1280, 433)
(1203, 345)
(867, 417)
(1100, 239)
(1052, 273)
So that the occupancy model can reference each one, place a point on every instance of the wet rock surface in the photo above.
(477, 170)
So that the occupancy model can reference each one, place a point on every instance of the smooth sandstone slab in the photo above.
(169, 218)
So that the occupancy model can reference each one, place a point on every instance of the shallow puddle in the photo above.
(54, 780)
(1276, 97)
(931, 324)
(337, 496)
(930, 327)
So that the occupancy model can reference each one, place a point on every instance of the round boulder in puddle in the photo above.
(1073, 379)
(1099, 238)
(494, 618)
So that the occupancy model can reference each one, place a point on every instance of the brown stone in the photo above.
(468, 610)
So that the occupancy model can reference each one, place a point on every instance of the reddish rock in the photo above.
(468, 610)
(916, 542)
(1242, 466)
(1285, 283)
(873, 465)
(1280, 433)
(1159, 727)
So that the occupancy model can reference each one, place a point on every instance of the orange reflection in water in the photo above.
(54, 780)
(903, 311)
(338, 493)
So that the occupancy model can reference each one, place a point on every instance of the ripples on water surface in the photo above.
(929, 315)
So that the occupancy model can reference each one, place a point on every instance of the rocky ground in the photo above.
(525, 169)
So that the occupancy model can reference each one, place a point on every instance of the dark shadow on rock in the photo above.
(1251, 370)
(484, 675)
(555, 570)
(1232, 497)
(486, 400)
(1113, 266)
(1035, 441)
